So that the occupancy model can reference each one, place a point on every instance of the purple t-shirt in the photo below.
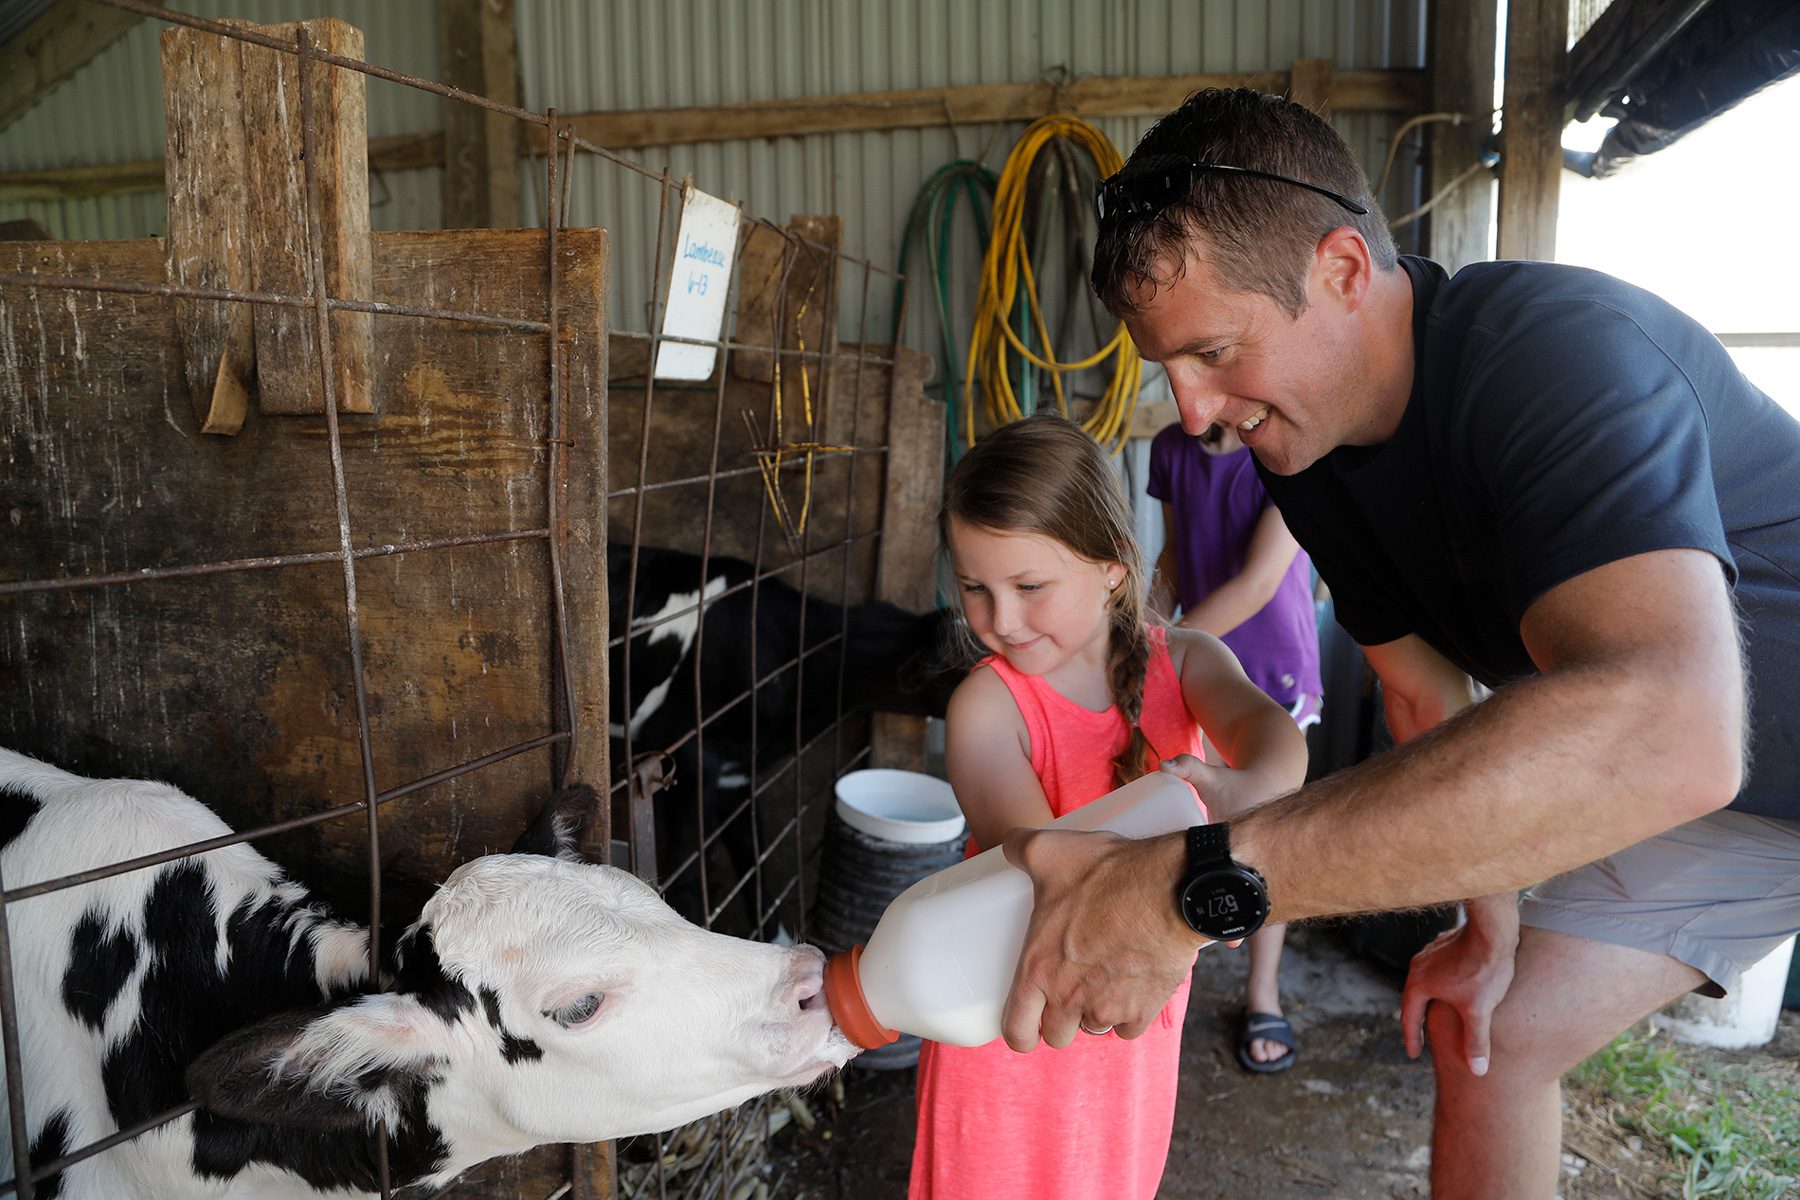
(1217, 500)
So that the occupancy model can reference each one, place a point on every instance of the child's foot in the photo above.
(1266, 1043)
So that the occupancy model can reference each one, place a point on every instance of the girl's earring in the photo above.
(1111, 583)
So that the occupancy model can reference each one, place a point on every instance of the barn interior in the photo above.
(413, 408)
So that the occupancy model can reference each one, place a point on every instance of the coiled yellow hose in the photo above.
(1007, 268)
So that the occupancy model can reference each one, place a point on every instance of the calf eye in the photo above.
(577, 1013)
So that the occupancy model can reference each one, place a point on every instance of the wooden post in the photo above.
(1462, 81)
(287, 364)
(209, 216)
(1531, 127)
(906, 567)
(481, 147)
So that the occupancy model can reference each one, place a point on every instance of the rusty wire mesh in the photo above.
(790, 769)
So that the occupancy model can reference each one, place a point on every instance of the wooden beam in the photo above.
(64, 38)
(1310, 84)
(480, 146)
(1103, 96)
(1395, 90)
(1531, 126)
(1462, 81)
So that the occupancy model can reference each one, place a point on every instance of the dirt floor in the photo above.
(1351, 1118)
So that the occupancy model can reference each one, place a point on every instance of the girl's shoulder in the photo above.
(984, 705)
(1180, 641)
(982, 692)
(1199, 649)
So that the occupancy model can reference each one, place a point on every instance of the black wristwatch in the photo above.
(1219, 898)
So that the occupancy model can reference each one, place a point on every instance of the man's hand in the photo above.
(1469, 968)
(1106, 945)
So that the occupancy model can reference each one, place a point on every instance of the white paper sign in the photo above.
(698, 284)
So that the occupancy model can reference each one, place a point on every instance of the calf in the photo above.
(890, 661)
(537, 999)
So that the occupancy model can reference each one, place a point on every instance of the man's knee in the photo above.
(1520, 1051)
(1556, 1015)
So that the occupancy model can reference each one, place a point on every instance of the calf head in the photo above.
(536, 1000)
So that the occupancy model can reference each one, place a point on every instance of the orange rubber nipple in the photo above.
(849, 1007)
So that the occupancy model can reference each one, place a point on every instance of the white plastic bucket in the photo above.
(899, 806)
(1747, 1017)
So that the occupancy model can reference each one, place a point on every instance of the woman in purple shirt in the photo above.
(1239, 575)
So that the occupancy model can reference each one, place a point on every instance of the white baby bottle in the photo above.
(940, 961)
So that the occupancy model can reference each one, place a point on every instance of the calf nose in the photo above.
(803, 985)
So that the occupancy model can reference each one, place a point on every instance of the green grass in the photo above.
(1733, 1129)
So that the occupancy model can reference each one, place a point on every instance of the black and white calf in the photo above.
(537, 999)
(890, 658)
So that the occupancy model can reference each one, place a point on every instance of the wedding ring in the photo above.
(1097, 1032)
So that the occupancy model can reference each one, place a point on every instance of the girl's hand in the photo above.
(1469, 968)
(1228, 794)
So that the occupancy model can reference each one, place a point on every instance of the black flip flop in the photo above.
(1270, 1028)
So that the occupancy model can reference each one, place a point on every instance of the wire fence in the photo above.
(747, 765)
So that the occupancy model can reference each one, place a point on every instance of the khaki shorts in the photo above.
(1718, 894)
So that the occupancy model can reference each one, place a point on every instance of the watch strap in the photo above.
(1209, 847)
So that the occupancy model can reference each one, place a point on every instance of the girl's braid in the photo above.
(1128, 658)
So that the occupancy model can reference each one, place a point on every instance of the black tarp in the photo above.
(1727, 52)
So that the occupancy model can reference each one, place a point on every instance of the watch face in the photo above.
(1225, 904)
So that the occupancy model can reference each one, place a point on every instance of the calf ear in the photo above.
(349, 1065)
(557, 830)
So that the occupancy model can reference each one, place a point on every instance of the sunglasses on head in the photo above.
(1148, 187)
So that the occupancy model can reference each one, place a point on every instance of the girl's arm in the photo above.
(988, 753)
(1271, 553)
(1264, 751)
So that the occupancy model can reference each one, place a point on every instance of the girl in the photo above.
(1077, 697)
(1239, 575)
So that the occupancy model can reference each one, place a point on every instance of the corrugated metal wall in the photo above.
(111, 111)
(583, 56)
(655, 53)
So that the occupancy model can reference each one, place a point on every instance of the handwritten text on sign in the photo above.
(699, 284)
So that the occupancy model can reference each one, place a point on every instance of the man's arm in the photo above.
(1420, 688)
(1635, 726)
(1470, 967)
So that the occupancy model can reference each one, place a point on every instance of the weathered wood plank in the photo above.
(287, 351)
(209, 221)
(481, 147)
(787, 288)
(237, 686)
(1101, 96)
(1462, 81)
(1531, 126)
(254, 713)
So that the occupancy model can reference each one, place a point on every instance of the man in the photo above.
(1532, 475)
